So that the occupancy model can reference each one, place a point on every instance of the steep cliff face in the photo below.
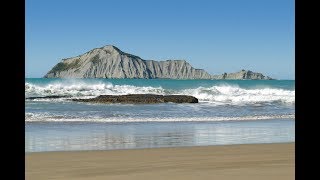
(243, 74)
(110, 62)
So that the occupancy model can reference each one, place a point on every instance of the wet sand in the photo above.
(240, 162)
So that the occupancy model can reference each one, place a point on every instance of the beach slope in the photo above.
(240, 162)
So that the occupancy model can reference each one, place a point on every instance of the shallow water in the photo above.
(66, 136)
(228, 112)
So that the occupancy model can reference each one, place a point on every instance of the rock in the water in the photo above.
(49, 97)
(140, 99)
(243, 74)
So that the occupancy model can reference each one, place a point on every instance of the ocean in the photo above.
(228, 112)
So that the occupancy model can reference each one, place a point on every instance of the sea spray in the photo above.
(216, 94)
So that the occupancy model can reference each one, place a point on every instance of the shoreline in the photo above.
(245, 161)
(165, 147)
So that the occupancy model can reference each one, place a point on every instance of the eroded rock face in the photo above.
(110, 62)
(140, 99)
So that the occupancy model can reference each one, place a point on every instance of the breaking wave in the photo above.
(217, 94)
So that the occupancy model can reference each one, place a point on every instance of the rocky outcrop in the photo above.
(49, 97)
(243, 74)
(110, 62)
(140, 99)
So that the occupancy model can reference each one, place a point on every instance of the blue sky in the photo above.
(215, 35)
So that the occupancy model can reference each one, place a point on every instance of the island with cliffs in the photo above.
(112, 63)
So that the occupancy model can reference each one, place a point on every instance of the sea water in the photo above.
(228, 112)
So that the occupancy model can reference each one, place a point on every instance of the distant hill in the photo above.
(110, 62)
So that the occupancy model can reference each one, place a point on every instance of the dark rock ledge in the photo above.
(49, 97)
(140, 99)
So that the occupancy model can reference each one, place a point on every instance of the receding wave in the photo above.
(30, 117)
(217, 94)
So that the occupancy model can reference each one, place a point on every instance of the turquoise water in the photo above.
(236, 104)
(173, 84)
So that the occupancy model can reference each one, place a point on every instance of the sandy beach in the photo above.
(255, 161)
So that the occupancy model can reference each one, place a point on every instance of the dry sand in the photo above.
(238, 162)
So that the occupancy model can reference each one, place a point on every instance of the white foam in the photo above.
(83, 89)
(218, 94)
(44, 118)
(236, 95)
